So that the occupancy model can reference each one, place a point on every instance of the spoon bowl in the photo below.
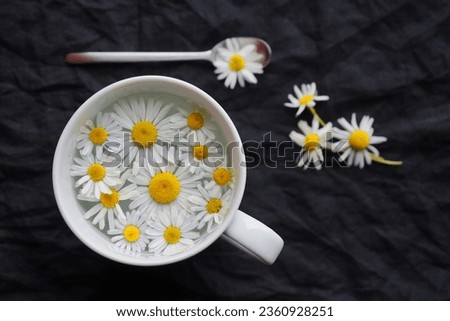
(262, 48)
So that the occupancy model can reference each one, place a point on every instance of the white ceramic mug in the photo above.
(237, 227)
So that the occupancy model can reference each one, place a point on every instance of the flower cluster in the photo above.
(162, 202)
(236, 64)
(354, 142)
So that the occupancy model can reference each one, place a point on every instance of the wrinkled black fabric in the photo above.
(378, 233)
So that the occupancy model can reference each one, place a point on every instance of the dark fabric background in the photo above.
(381, 233)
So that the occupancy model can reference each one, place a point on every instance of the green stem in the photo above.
(316, 115)
(381, 160)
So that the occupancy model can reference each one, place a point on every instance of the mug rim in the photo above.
(70, 126)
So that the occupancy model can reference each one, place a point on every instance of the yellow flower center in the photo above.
(131, 233)
(236, 63)
(96, 172)
(172, 235)
(144, 133)
(110, 200)
(312, 141)
(195, 120)
(213, 206)
(98, 135)
(200, 152)
(222, 176)
(164, 187)
(306, 99)
(359, 139)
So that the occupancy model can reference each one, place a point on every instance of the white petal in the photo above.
(291, 105)
(343, 157)
(254, 67)
(303, 159)
(247, 49)
(293, 100)
(186, 241)
(304, 89)
(320, 154)
(249, 76)
(162, 113)
(220, 64)
(82, 180)
(351, 157)
(87, 188)
(300, 110)
(315, 125)
(297, 138)
(94, 210)
(321, 98)
(241, 79)
(367, 157)
(304, 127)
(344, 123)
(353, 121)
(360, 157)
(223, 75)
(377, 139)
(298, 92)
(231, 80)
(165, 219)
(139, 201)
(373, 150)
(100, 216)
(311, 103)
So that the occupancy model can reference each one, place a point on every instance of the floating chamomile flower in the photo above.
(312, 141)
(96, 177)
(356, 141)
(148, 126)
(238, 64)
(105, 130)
(129, 232)
(172, 232)
(163, 187)
(200, 154)
(108, 206)
(219, 176)
(210, 206)
(195, 121)
(305, 97)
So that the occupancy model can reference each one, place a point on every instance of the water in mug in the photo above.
(190, 148)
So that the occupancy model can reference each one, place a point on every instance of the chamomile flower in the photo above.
(305, 97)
(108, 206)
(129, 232)
(312, 140)
(95, 135)
(219, 176)
(171, 232)
(163, 187)
(200, 154)
(96, 178)
(210, 206)
(147, 124)
(196, 121)
(236, 64)
(356, 141)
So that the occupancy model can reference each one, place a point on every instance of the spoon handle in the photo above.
(132, 56)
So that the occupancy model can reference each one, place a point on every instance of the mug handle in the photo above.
(254, 238)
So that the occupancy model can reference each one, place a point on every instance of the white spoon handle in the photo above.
(133, 56)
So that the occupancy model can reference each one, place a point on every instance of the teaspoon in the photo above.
(132, 56)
